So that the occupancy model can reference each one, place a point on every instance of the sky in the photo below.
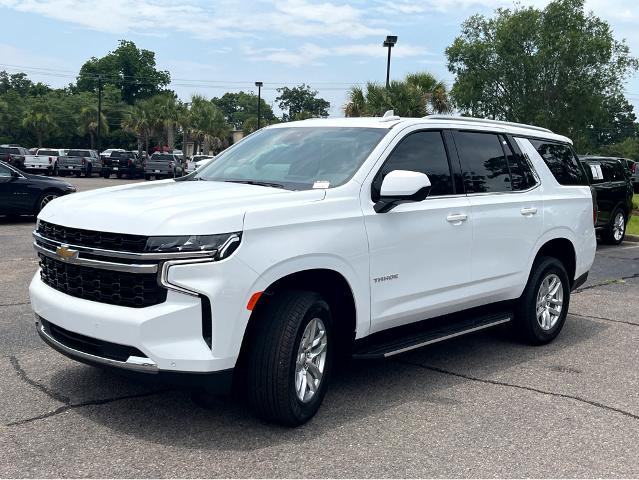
(211, 47)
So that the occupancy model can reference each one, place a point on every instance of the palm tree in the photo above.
(417, 95)
(88, 123)
(165, 110)
(184, 123)
(209, 124)
(138, 121)
(38, 118)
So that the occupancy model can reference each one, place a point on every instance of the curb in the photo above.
(631, 238)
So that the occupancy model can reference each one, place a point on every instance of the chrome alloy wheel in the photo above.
(310, 360)
(550, 300)
(47, 198)
(619, 227)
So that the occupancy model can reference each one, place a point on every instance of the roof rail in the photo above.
(485, 120)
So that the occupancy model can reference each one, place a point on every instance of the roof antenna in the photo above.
(389, 113)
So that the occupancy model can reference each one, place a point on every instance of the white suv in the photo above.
(369, 236)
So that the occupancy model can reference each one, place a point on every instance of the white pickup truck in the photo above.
(45, 160)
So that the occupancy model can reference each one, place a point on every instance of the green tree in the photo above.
(88, 123)
(164, 110)
(301, 102)
(132, 70)
(39, 119)
(558, 67)
(139, 122)
(241, 106)
(209, 125)
(417, 95)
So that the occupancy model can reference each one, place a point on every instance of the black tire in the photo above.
(78, 174)
(89, 171)
(147, 177)
(55, 171)
(610, 235)
(526, 323)
(62, 173)
(106, 174)
(272, 353)
(119, 174)
(45, 198)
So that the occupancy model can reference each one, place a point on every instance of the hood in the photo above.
(169, 207)
(49, 181)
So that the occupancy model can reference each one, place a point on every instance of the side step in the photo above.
(402, 339)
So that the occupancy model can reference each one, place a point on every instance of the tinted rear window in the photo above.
(12, 150)
(486, 169)
(53, 153)
(161, 156)
(79, 153)
(561, 161)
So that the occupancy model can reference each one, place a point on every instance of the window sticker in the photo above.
(597, 174)
(321, 184)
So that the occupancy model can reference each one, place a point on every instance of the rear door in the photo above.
(506, 208)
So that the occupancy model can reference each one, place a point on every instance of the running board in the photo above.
(402, 339)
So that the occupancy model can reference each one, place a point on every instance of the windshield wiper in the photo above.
(257, 182)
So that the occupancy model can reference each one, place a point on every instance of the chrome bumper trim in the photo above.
(139, 364)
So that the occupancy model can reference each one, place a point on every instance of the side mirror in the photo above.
(402, 186)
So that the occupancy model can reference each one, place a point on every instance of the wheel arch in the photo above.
(331, 284)
(43, 192)
(563, 250)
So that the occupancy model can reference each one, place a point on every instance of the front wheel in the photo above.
(616, 232)
(541, 310)
(44, 199)
(289, 357)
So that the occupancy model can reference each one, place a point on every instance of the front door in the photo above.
(420, 251)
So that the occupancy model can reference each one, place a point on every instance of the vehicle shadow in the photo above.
(17, 219)
(358, 390)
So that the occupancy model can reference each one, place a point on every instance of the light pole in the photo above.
(259, 100)
(390, 42)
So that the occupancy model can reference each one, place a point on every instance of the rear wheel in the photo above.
(541, 310)
(106, 174)
(289, 357)
(616, 231)
(89, 170)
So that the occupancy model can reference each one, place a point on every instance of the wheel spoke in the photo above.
(314, 371)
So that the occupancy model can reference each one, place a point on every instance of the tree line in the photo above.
(138, 108)
(559, 67)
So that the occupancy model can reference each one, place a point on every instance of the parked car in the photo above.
(44, 161)
(197, 161)
(78, 162)
(163, 165)
(610, 179)
(25, 194)
(633, 170)
(121, 163)
(310, 240)
(13, 155)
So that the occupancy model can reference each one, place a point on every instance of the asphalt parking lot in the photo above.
(479, 406)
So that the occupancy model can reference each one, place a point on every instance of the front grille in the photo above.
(92, 346)
(88, 238)
(135, 290)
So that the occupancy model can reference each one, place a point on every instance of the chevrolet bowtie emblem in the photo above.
(65, 253)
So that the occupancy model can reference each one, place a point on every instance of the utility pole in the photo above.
(99, 114)
(390, 42)
(259, 101)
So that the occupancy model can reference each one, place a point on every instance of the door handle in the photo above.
(457, 218)
(528, 211)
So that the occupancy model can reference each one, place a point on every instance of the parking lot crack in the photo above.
(22, 375)
(88, 403)
(605, 319)
(13, 304)
(607, 282)
(522, 387)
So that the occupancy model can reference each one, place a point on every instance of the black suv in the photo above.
(613, 188)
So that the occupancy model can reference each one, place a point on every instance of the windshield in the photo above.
(296, 158)
(79, 153)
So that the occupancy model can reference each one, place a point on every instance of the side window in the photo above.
(612, 171)
(4, 172)
(561, 161)
(420, 152)
(521, 174)
(486, 169)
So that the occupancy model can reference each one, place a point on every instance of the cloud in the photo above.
(206, 20)
(313, 54)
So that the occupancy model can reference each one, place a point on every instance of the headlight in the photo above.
(221, 246)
